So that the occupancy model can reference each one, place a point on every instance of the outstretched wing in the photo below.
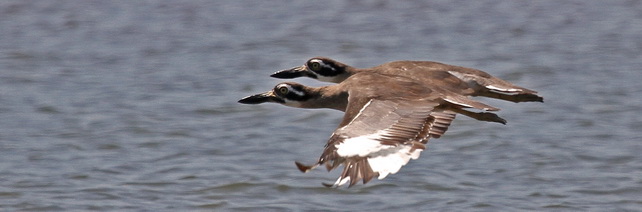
(494, 87)
(380, 137)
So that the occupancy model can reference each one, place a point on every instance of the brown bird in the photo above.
(388, 119)
(466, 81)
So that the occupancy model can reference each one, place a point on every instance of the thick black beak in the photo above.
(261, 98)
(295, 72)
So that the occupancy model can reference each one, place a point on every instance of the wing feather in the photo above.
(442, 121)
(369, 148)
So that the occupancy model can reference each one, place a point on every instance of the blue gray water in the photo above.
(131, 105)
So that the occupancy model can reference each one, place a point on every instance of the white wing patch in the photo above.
(341, 181)
(458, 103)
(469, 103)
(362, 146)
(502, 90)
(366, 150)
(383, 159)
(390, 160)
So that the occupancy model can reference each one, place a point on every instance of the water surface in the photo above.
(132, 105)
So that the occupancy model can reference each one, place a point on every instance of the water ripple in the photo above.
(132, 106)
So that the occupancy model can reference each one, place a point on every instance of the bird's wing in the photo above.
(381, 136)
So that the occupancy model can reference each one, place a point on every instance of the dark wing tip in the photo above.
(492, 117)
(530, 98)
(328, 185)
(540, 99)
(304, 168)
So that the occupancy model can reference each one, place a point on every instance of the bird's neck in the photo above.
(327, 97)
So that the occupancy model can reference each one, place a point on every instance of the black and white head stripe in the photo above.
(324, 67)
(291, 92)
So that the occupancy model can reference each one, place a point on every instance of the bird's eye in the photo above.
(315, 66)
(283, 90)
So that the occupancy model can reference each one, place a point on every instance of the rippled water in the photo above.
(132, 105)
